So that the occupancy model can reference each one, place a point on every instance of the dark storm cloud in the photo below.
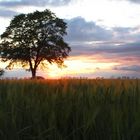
(34, 3)
(81, 30)
(135, 68)
(7, 13)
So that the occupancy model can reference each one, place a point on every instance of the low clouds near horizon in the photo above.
(135, 68)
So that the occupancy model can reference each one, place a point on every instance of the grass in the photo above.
(70, 109)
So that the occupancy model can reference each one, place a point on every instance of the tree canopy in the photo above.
(32, 38)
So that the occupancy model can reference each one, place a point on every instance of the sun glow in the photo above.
(77, 66)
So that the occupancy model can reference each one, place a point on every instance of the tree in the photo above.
(33, 38)
(1, 72)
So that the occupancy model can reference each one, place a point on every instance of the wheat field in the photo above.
(70, 109)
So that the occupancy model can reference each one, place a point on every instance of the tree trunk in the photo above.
(33, 69)
(33, 73)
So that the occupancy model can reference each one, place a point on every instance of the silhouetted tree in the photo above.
(1, 72)
(32, 38)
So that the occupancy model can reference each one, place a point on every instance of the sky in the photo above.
(104, 36)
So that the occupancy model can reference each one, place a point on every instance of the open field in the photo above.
(70, 109)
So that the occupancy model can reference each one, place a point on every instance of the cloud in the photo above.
(108, 50)
(40, 3)
(126, 49)
(81, 30)
(126, 33)
(135, 1)
(135, 68)
(122, 32)
(116, 44)
(7, 13)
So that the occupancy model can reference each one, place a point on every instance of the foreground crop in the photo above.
(74, 109)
